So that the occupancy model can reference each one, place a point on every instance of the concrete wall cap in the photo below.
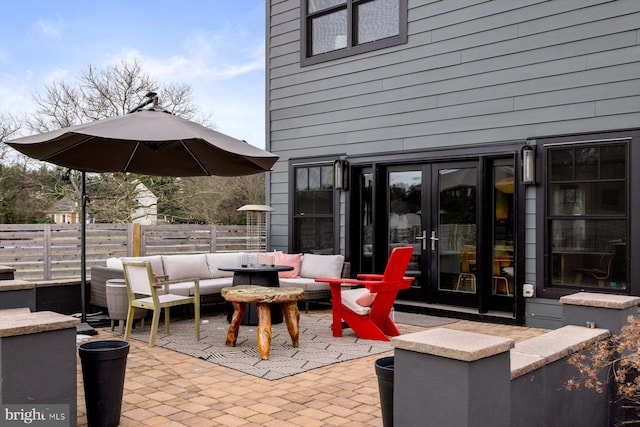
(453, 344)
(591, 299)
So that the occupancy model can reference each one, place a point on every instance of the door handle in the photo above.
(433, 239)
(424, 240)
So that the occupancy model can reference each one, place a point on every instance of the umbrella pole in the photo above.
(83, 246)
(84, 327)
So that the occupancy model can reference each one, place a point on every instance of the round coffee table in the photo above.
(263, 296)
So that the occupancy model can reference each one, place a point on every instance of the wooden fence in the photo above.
(52, 251)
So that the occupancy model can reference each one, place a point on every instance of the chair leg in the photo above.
(154, 327)
(167, 318)
(196, 309)
(129, 325)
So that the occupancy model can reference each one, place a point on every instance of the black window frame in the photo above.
(334, 216)
(306, 58)
(542, 280)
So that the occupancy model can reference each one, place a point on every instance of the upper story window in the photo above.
(335, 29)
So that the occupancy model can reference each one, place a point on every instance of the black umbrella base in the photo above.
(85, 329)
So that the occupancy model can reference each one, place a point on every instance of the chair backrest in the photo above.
(139, 277)
(397, 264)
(605, 264)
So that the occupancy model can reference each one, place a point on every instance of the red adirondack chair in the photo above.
(371, 322)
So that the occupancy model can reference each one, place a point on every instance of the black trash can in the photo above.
(384, 371)
(103, 367)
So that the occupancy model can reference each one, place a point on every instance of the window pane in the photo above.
(589, 253)
(326, 182)
(597, 198)
(314, 235)
(587, 160)
(323, 202)
(314, 178)
(612, 162)
(302, 179)
(329, 32)
(377, 20)
(316, 5)
(561, 165)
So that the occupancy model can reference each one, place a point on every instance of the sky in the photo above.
(216, 46)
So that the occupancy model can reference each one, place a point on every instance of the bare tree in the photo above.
(8, 127)
(100, 93)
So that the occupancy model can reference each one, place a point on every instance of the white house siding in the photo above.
(472, 72)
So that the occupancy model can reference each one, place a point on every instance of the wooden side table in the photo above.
(262, 296)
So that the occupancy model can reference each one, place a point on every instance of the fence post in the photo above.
(213, 243)
(136, 239)
(46, 245)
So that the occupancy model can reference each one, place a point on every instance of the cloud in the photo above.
(220, 55)
(48, 28)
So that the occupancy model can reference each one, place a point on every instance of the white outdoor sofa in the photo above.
(212, 280)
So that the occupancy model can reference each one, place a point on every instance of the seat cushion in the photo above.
(304, 283)
(349, 297)
(213, 286)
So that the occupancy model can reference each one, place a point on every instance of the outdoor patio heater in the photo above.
(256, 226)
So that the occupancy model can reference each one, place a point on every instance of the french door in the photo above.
(463, 245)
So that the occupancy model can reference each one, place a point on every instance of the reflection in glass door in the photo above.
(503, 230)
(456, 221)
(405, 216)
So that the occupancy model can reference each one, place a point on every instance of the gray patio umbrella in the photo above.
(148, 141)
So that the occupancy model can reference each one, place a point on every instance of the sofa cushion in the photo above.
(155, 260)
(304, 283)
(214, 286)
(221, 259)
(179, 267)
(317, 266)
(349, 297)
(292, 260)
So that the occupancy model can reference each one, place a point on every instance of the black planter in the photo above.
(384, 371)
(103, 368)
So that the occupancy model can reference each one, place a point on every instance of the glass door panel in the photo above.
(456, 226)
(503, 230)
(405, 215)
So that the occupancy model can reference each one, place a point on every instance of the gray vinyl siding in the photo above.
(472, 72)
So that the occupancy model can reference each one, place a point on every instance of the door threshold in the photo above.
(455, 311)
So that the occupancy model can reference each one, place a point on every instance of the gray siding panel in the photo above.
(472, 72)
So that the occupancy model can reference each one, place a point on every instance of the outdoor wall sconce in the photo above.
(340, 174)
(528, 163)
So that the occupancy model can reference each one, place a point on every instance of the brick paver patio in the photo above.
(166, 388)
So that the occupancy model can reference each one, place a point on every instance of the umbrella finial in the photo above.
(152, 99)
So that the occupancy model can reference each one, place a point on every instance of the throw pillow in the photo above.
(366, 300)
(292, 260)
(267, 258)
